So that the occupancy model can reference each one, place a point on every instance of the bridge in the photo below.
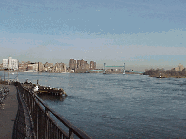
(114, 67)
(104, 70)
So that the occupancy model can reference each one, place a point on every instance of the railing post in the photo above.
(46, 123)
(44, 126)
(70, 133)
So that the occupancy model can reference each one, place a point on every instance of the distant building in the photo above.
(48, 66)
(32, 67)
(23, 66)
(92, 65)
(179, 68)
(1, 66)
(72, 64)
(40, 66)
(86, 65)
(59, 67)
(10, 63)
(78, 64)
(81, 65)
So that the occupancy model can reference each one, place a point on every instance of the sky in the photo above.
(143, 34)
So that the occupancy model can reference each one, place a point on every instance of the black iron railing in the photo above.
(43, 125)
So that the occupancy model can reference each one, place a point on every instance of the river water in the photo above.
(118, 106)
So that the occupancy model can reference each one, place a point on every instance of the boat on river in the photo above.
(44, 90)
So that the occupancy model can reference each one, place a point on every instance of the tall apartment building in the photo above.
(78, 64)
(10, 63)
(92, 65)
(40, 66)
(81, 65)
(86, 65)
(72, 64)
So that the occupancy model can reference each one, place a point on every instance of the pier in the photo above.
(35, 119)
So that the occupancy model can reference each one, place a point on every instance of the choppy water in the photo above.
(119, 106)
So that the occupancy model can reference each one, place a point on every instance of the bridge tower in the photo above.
(124, 69)
(104, 69)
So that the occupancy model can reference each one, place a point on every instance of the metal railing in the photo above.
(44, 126)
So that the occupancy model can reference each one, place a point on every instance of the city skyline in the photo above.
(78, 66)
(142, 34)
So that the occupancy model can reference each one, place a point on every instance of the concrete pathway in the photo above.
(8, 114)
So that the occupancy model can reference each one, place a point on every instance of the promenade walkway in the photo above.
(21, 107)
(8, 114)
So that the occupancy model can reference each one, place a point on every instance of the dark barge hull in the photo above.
(46, 90)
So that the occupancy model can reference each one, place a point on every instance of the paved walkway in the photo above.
(8, 114)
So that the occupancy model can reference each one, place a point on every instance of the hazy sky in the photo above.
(141, 33)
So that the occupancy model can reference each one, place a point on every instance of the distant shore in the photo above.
(165, 74)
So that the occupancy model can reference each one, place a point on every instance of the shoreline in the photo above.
(167, 76)
(165, 73)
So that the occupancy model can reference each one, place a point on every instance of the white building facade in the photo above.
(10, 63)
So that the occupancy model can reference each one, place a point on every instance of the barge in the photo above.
(38, 89)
